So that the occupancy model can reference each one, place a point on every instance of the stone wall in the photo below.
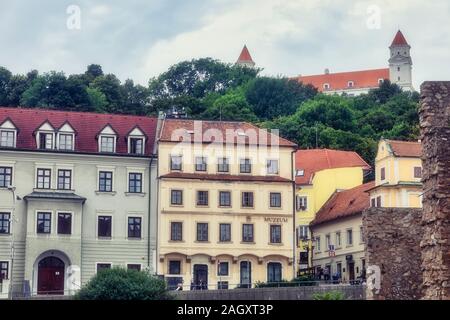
(435, 134)
(393, 247)
(351, 292)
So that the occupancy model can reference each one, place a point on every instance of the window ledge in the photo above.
(107, 193)
(275, 244)
(224, 242)
(104, 238)
(134, 238)
(248, 242)
(176, 241)
(276, 208)
(135, 194)
(197, 241)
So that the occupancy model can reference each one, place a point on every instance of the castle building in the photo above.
(77, 195)
(359, 82)
(245, 59)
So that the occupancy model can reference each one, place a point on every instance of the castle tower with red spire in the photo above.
(400, 63)
(245, 59)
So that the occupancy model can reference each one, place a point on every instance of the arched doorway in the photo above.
(51, 276)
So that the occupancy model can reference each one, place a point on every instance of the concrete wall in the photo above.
(355, 292)
(435, 134)
(393, 247)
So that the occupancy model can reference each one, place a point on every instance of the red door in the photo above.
(51, 276)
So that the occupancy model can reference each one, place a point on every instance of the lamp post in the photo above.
(11, 228)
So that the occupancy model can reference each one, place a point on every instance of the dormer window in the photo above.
(66, 138)
(45, 137)
(107, 140)
(380, 81)
(326, 86)
(136, 142)
(350, 84)
(8, 134)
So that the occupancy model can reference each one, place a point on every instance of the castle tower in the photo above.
(400, 63)
(245, 59)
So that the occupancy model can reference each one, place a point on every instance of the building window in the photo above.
(350, 84)
(44, 222)
(349, 237)
(202, 232)
(224, 232)
(247, 199)
(272, 166)
(107, 144)
(176, 231)
(174, 267)
(379, 201)
(222, 285)
(64, 179)
(245, 166)
(44, 178)
(135, 182)
(361, 234)
(373, 202)
(202, 198)
(274, 272)
(398, 68)
(275, 200)
(45, 141)
(327, 241)
(4, 222)
(134, 227)
(223, 165)
(380, 81)
(4, 270)
(103, 266)
(5, 177)
(175, 163)
(302, 232)
(275, 233)
(105, 181)
(318, 243)
(201, 164)
(7, 139)
(134, 266)
(64, 223)
(176, 197)
(104, 226)
(247, 233)
(338, 239)
(224, 198)
(223, 269)
(301, 203)
(65, 142)
(326, 86)
(398, 78)
(383, 173)
(136, 145)
(418, 172)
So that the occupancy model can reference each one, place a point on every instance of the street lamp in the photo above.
(11, 228)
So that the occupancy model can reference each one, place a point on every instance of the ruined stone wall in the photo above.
(435, 134)
(392, 238)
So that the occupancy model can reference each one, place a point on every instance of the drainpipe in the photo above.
(293, 212)
(149, 250)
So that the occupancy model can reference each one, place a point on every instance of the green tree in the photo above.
(109, 85)
(231, 106)
(5, 77)
(93, 71)
(122, 284)
(136, 98)
(386, 91)
(274, 97)
(97, 100)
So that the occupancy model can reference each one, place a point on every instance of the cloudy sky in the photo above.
(139, 39)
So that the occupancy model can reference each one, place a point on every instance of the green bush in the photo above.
(329, 295)
(300, 281)
(122, 284)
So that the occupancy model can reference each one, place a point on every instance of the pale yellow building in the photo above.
(398, 175)
(320, 173)
(226, 213)
(338, 254)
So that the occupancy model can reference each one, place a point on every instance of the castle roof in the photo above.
(399, 40)
(245, 56)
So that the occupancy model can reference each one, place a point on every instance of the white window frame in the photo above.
(113, 185)
(100, 138)
(52, 223)
(58, 140)
(134, 215)
(45, 167)
(71, 177)
(277, 168)
(97, 263)
(14, 132)
(38, 139)
(106, 214)
(72, 213)
(300, 199)
(347, 237)
(141, 137)
(338, 235)
(135, 170)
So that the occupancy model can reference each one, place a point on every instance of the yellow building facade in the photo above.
(319, 174)
(398, 175)
(226, 215)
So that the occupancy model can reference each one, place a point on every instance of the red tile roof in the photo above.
(314, 160)
(223, 177)
(86, 125)
(176, 130)
(344, 204)
(340, 80)
(405, 148)
(245, 55)
(399, 39)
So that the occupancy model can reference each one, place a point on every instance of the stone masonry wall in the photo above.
(393, 245)
(435, 134)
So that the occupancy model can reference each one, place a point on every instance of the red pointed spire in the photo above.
(399, 39)
(245, 56)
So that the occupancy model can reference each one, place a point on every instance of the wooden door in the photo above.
(51, 276)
